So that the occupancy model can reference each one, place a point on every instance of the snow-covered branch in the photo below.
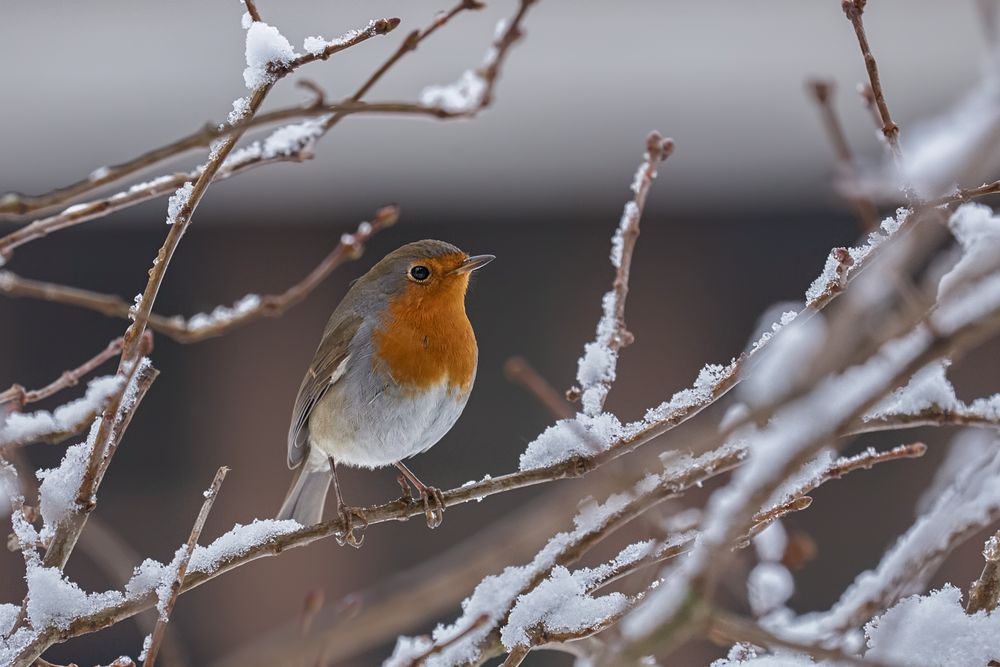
(599, 362)
(222, 319)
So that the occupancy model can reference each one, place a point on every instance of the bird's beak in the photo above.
(473, 263)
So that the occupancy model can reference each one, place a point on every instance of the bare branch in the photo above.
(853, 9)
(519, 371)
(175, 587)
(967, 194)
(70, 378)
(864, 208)
(252, 10)
(182, 218)
(200, 327)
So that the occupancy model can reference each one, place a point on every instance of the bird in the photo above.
(391, 375)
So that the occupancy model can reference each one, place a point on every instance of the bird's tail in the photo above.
(305, 500)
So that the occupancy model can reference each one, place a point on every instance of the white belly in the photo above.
(393, 426)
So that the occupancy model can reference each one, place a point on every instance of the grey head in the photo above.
(429, 265)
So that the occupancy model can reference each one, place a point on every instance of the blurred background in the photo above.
(741, 217)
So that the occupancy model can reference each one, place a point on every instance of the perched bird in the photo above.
(390, 377)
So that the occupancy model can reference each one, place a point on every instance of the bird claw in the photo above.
(433, 506)
(405, 485)
(348, 515)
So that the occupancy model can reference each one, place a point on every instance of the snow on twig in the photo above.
(167, 594)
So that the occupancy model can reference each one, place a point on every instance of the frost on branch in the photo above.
(977, 231)
(561, 603)
(59, 486)
(580, 436)
(930, 392)
(464, 95)
(929, 388)
(593, 430)
(930, 630)
(153, 575)
(294, 140)
(459, 642)
(789, 436)
(842, 262)
(317, 45)
(221, 314)
(933, 629)
(265, 46)
(585, 435)
(21, 427)
(54, 600)
(178, 201)
(970, 500)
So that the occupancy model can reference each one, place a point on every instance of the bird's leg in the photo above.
(348, 515)
(432, 497)
(405, 486)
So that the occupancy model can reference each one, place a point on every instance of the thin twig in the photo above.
(196, 329)
(612, 333)
(396, 510)
(706, 570)
(18, 205)
(516, 656)
(157, 187)
(864, 208)
(110, 552)
(164, 185)
(962, 195)
(932, 416)
(175, 587)
(673, 547)
(182, 219)
(252, 10)
(519, 371)
(138, 377)
(854, 9)
(56, 432)
(19, 395)
(437, 648)
(15, 204)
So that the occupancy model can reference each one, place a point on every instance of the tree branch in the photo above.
(222, 320)
(597, 367)
(864, 208)
(167, 606)
(854, 9)
(245, 159)
(19, 395)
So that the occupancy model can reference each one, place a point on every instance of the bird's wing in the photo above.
(328, 367)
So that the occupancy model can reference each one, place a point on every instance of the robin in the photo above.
(390, 377)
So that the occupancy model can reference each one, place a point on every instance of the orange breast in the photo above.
(426, 338)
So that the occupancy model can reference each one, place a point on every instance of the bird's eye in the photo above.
(420, 273)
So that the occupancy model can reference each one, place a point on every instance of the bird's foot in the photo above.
(405, 486)
(354, 519)
(433, 505)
